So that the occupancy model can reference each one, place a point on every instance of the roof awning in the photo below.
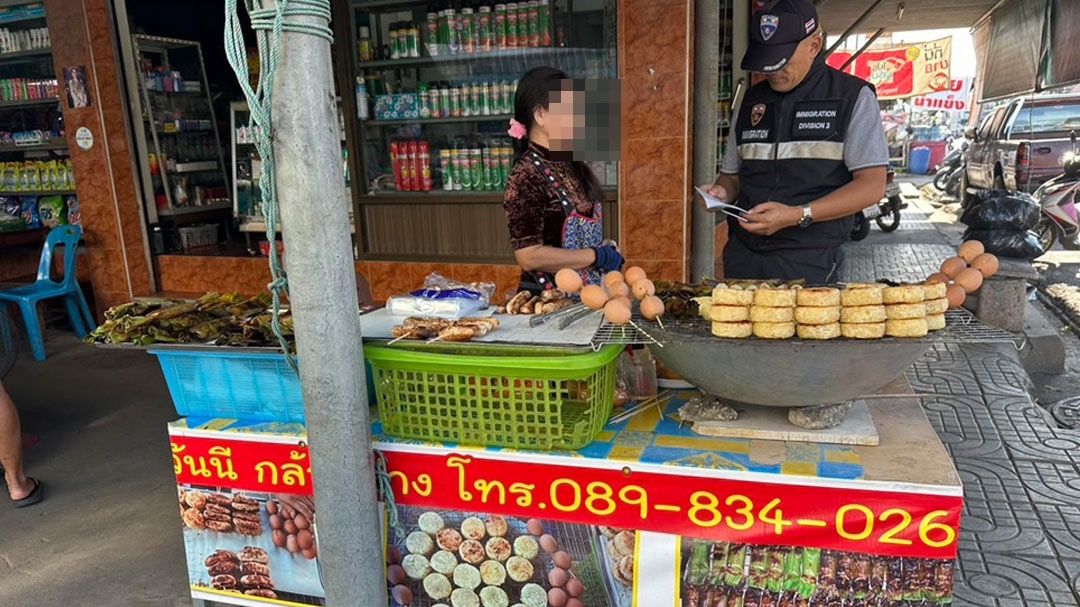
(837, 15)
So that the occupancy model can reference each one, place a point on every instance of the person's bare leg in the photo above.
(11, 449)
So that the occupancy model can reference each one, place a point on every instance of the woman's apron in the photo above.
(578, 232)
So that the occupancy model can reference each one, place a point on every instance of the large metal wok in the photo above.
(782, 373)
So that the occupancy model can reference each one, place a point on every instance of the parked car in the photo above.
(1020, 145)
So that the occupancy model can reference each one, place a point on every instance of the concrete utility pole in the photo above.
(322, 295)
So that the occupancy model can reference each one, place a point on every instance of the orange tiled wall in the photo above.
(82, 34)
(655, 65)
(194, 274)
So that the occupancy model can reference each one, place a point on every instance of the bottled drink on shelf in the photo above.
(456, 159)
(523, 24)
(413, 40)
(498, 26)
(534, 23)
(490, 181)
(446, 174)
(444, 99)
(474, 169)
(454, 40)
(362, 110)
(511, 25)
(423, 100)
(544, 8)
(431, 33)
(424, 160)
(483, 27)
(468, 31)
(455, 102)
(395, 41)
(414, 169)
(395, 164)
(365, 49)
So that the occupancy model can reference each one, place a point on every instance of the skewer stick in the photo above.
(397, 339)
(661, 323)
(643, 332)
(435, 339)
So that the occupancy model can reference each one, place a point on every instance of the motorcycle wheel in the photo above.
(940, 178)
(1047, 233)
(888, 222)
(953, 183)
(861, 228)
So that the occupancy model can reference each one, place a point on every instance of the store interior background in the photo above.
(651, 212)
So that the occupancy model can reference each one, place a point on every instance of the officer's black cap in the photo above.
(776, 31)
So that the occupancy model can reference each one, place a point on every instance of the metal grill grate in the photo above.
(961, 327)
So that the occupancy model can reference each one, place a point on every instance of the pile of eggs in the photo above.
(614, 295)
(965, 273)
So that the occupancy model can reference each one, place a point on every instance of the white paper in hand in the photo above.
(715, 204)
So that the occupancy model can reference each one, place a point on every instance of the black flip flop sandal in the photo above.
(34, 497)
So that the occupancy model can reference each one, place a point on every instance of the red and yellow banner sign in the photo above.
(858, 520)
(894, 523)
(239, 464)
(902, 71)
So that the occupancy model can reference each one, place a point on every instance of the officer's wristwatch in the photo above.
(807, 217)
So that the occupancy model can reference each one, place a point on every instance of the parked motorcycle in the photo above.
(885, 213)
(948, 173)
(1058, 199)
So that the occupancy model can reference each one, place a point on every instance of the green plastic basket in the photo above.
(495, 396)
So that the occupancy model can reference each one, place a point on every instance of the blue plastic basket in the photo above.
(234, 385)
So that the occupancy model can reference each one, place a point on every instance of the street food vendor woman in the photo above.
(553, 203)
(808, 153)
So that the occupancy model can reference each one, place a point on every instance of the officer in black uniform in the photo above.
(807, 153)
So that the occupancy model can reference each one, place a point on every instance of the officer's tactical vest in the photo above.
(792, 150)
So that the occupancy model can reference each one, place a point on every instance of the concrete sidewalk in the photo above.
(107, 533)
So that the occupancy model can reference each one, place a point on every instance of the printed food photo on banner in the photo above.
(720, 574)
(255, 545)
(462, 559)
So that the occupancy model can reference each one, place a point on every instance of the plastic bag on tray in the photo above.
(1001, 210)
(441, 297)
(1020, 244)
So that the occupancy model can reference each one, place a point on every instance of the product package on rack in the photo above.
(441, 297)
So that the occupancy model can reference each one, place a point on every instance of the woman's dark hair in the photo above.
(534, 91)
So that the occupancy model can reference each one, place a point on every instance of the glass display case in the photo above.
(433, 92)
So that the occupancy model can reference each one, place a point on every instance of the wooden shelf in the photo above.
(457, 120)
(452, 197)
(16, 103)
(498, 55)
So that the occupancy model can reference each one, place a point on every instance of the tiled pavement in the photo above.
(1020, 539)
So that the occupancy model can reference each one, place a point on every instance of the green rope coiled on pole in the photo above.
(275, 21)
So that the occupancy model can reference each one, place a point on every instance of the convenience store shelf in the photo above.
(51, 193)
(189, 210)
(25, 56)
(454, 197)
(255, 226)
(460, 119)
(55, 144)
(385, 5)
(195, 167)
(499, 55)
(29, 102)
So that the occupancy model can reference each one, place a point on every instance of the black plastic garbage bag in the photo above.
(1020, 244)
(1001, 210)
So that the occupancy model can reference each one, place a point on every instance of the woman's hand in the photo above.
(768, 218)
(608, 258)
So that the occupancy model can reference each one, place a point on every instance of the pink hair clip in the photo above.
(517, 130)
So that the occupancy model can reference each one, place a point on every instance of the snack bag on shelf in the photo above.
(49, 176)
(52, 211)
(74, 217)
(11, 176)
(11, 214)
(68, 175)
(30, 213)
(30, 177)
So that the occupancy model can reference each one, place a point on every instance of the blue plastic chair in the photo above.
(28, 296)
